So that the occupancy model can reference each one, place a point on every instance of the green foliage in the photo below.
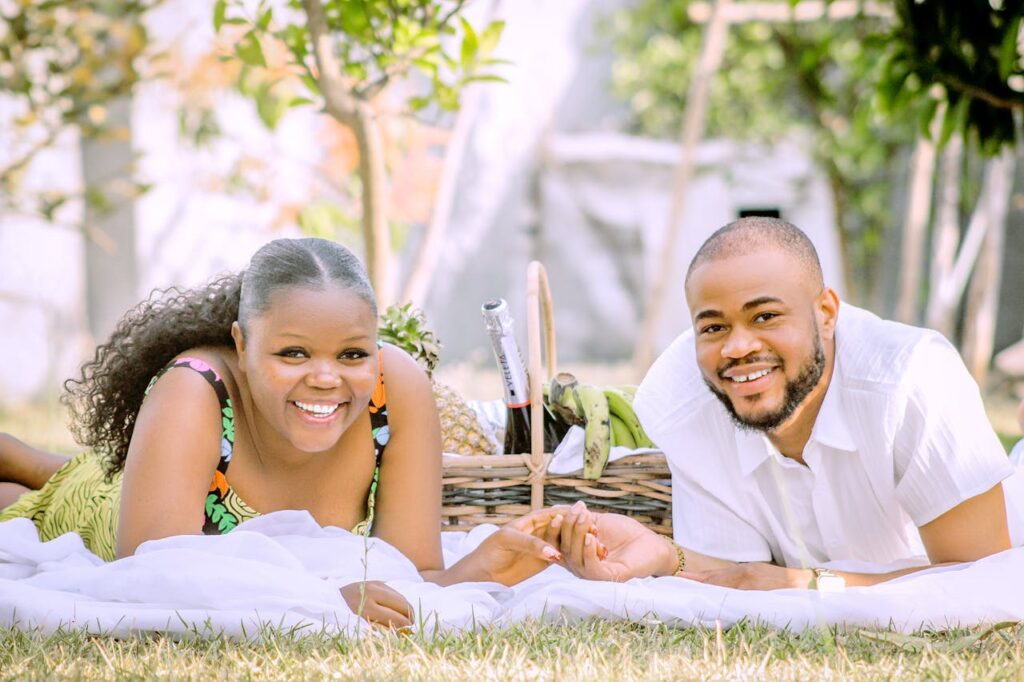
(376, 42)
(965, 53)
(406, 327)
(812, 81)
(61, 64)
(326, 220)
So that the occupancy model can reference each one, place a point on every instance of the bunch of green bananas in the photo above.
(605, 413)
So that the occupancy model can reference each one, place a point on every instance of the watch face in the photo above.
(827, 581)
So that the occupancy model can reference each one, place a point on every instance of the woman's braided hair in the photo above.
(105, 400)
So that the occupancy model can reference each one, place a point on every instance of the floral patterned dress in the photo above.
(79, 498)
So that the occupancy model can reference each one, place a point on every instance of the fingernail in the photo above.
(588, 540)
(551, 554)
(579, 505)
(602, 552)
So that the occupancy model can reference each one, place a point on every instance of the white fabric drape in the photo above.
(283, 570)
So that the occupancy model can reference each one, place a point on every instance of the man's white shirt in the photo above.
(901, 438)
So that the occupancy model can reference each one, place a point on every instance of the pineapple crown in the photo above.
(406, 327)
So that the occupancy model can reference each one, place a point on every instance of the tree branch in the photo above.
(340, 104)
(24, 159)
(974, 91)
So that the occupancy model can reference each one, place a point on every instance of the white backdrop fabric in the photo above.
(283, 570)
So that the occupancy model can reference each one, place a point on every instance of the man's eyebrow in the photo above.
(758, 302)
(707, 313)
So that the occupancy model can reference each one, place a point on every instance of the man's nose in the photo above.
(740, 343)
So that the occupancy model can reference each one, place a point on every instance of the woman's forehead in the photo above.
(298, 304)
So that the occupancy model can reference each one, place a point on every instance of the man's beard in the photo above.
(797, 391)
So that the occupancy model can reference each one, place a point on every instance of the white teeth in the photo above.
(750, 377)
(318, 410)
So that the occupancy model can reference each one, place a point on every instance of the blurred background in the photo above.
(155, 143)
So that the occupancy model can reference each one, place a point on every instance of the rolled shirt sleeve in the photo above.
(945, 450)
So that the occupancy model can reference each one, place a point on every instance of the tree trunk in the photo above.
(946, 236)
(373, 176)
(110, 261)
(421, 276)
(708, 62)
(983, 300)
(915, 225)
(947, 293)
(358, 115)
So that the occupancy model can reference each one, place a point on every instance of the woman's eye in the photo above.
(292, 353)
(354, 354)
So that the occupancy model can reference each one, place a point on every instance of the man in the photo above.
(801, 431)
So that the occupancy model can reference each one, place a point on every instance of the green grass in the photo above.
(590, 650)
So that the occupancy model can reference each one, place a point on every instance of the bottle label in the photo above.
(513, 375)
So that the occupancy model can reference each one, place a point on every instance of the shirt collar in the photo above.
(751, 448)
(830, 428)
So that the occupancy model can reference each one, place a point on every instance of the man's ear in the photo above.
(239, 339)
(827, 312)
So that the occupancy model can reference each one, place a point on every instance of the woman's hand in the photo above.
(612, 547)
(378, 604)
(511, 554)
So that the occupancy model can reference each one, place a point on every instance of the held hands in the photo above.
(514, 552)
(613, 547)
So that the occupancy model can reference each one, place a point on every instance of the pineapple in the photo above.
(461, 432)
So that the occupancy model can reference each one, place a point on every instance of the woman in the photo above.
(260, 392)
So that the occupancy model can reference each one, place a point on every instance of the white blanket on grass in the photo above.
(283, 570)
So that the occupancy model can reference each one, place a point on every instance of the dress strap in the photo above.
(227, 412)
(381, 435)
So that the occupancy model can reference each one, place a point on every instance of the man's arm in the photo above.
(973, 529)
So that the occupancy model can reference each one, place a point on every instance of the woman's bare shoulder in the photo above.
(406, 383)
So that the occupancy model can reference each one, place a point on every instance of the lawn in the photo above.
(590, 650)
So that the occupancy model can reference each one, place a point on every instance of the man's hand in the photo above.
(629, 549)
(378, 604)
(753, 576)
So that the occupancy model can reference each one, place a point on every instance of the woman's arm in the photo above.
(171, 460)
(408, 512)
(408, 505)
(25, 465)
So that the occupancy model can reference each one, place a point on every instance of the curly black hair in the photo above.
(105, 400)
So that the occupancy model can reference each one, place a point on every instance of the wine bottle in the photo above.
(516, 382)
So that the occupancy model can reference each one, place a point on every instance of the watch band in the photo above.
(824, 580)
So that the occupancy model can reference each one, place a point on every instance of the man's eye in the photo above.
(711, 329)
(764, 317)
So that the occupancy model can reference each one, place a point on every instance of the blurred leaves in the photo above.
(61, 63)
(966, 53)
(813, 82)
(376, 42)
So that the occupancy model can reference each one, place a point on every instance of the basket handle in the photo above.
(538, 302)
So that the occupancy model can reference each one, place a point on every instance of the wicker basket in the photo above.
(499, 488)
